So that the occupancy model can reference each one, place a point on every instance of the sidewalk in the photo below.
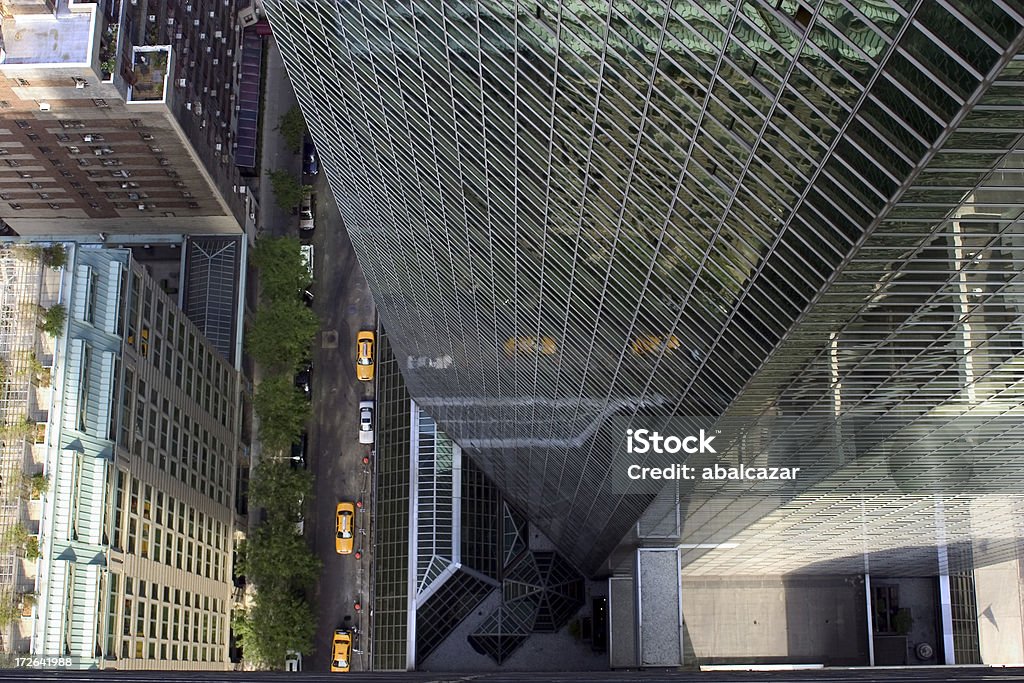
(278, 98)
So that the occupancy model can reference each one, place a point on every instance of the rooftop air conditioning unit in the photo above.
(81, 84)
(142, 207)
(247, 16)
(44, 106)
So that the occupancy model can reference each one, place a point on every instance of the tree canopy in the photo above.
(283, 273)
(276, 623)
(288, 191)
(293, 128)
(281, 334)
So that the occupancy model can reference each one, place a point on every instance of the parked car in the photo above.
(310, 161)
(298, 457)
(303, 378)
(364, 355)
(306, 215)
(346, 523)
(307, 257)
(341, 651)
(366, 422)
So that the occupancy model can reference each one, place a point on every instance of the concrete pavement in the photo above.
(278, 98)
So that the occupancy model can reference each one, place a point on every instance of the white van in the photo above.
(307, 257)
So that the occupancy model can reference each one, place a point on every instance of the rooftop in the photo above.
(48, 39)
(149, 74)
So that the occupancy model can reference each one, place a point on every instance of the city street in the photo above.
(334, 455)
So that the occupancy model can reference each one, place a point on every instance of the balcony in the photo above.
(149, 75)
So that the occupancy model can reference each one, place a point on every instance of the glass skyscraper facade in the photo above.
(574, 211)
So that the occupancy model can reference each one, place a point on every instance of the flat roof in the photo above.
(45, 39)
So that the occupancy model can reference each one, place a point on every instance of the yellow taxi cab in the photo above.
(527, 345)
(652, 343)
(346, 518)
(342, 651)
(364, 356)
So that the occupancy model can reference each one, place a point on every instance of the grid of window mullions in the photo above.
(598, 255)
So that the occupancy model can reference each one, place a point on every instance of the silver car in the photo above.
(366, 422)
(306, 211)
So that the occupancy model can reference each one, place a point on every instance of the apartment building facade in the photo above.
(134, 531)
(90, 130)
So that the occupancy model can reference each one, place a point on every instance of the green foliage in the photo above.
(53, 320)
(28, 252)
(281, 334)
(32, 548)
(279, 563)
(239, 568)
(38, 484)
(283, 410)
(39, 373)
(280, 488)
(14, 537)
(293, 127)
(283, 273)
(287, 190)
(55, 256)
(276, 623)
(278, 559)
(8, 609)
(21, 429)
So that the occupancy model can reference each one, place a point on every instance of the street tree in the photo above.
(280, 489)
(277, 559)
(283, 410)
(281, 333)
(276, 623)
(288, 191)
(293, 128)
(283, 273)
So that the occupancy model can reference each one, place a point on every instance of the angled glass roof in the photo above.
(436, 478)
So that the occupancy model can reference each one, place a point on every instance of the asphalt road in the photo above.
(334, 454)
(335, 457)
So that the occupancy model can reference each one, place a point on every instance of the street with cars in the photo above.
(337, 447)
